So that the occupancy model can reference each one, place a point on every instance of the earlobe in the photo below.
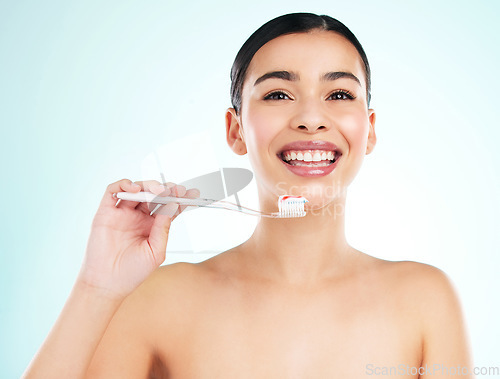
(372, 137)
(235, 135)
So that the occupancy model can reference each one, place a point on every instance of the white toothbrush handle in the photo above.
(149, 197)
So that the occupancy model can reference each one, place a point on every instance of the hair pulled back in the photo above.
(288, 24)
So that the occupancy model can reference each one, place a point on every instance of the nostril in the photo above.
(303, 127)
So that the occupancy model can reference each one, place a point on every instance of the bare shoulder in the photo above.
(422, 282)
(175, 283)
(183, 276)
(178, 283)
(134, 342)
(422, 290)
(169, 276)
(164, 281)
(152, 298)
(175, 290)
(410, 276)
(432, 303)
(430, 289)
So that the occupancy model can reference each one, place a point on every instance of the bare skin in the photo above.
(295, 300)
(230, 321)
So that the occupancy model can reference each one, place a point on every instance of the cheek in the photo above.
(354, 127)
(260, 129)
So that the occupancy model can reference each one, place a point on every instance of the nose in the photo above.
(310, 116)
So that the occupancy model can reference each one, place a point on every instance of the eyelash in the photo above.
(274, 93)
(345, 94)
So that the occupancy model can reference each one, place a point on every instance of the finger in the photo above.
(145, 186)
(158, 236)
(153, 206)
(123, 185)
(165, 190)
(160, 190)
(192, 193)
(151, 185)
(178, 191)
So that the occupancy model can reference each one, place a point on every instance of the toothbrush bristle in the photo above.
(291, 206)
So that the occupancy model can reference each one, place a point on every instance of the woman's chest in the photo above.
(290, 337)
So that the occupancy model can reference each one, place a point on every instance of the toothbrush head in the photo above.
(291, 206)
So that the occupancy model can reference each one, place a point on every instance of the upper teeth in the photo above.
(308, 155)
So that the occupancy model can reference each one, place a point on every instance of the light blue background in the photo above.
(90, 89)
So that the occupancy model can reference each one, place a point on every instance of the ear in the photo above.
(372, 138)
(234, 133)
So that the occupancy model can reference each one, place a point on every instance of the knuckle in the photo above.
(150, 183)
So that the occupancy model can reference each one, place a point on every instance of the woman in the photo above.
(294, 300)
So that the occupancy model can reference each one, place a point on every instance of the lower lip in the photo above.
(310, 171)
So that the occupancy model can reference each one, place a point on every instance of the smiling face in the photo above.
(304, 97)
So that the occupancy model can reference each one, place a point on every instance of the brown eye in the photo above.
(341, 95)
(278, 95)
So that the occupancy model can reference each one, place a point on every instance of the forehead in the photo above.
(312, 53)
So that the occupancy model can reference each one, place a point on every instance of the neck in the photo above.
(299, 250)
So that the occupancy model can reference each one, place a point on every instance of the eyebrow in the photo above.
(291, 76)
(285, 75)
(340, 74)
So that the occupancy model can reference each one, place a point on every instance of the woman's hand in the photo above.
(126, 244)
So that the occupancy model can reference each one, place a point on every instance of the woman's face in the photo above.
(304, 93)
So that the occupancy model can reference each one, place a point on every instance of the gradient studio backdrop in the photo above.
(92, 92)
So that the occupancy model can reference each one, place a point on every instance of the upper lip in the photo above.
(310, 145)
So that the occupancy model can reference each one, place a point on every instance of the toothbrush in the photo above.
(289, 206)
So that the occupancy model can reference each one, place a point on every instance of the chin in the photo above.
(318, 202)
(325, 207)
(318, 194)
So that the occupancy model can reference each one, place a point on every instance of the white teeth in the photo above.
(311, 157)
(313, 164)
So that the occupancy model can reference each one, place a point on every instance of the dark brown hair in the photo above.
(288, 24)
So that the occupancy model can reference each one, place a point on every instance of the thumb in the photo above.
(158, 236)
